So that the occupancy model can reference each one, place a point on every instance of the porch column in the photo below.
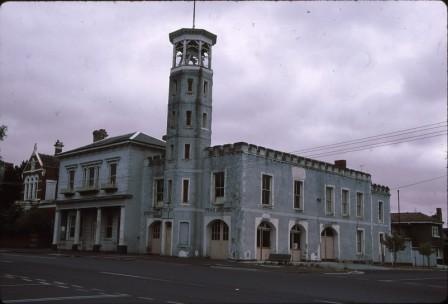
(121, 243)
(77, 229)
(162, 238)
(97, 245)
(56, 229)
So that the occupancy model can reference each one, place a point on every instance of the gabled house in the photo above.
(421, 228)
(40, 177)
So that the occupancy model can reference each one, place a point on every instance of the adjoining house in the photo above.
(40, 177)
(183, 197)
(421, 228)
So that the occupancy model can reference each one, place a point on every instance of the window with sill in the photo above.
(187, 151)
(218, 182)
(205, 88)
(266, 190)
(380, 212)
(329, 200)
(158, 192)
(359, 204)
(298, 195)
(91, 177)
(185, 191)
(435, 231)
(71, 180)
(190, 85)
(345, 205)
(188, 118)
(204, 120)
(112, 174)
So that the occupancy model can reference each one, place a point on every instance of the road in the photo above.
(65, 278)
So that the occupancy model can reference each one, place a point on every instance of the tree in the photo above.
(425, 250)
(394, 243)
(3, 130)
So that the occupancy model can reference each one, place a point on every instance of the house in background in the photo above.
(421, 228)
(40, 177)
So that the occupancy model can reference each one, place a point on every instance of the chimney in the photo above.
(58, 147)
(99, 135)
(341, 164)
(439, 214)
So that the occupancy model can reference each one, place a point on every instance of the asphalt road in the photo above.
(50, 278)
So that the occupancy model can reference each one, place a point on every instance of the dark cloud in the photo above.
(287, 75)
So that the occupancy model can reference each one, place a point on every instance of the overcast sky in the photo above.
(287, 75)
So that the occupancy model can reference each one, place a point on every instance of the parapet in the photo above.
(284, 157)
(380, 189)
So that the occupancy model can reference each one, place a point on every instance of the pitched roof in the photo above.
(407, 217)
(135, 137)
(49, 161)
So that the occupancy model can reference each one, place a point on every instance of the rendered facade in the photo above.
(182, 197)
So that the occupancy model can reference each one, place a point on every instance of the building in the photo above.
(40, 177)
(421, 228)
(182, 197)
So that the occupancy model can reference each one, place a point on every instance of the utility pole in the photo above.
(399, 221)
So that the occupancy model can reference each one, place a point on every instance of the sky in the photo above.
(287, 75)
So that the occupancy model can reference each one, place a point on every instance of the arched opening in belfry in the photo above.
(192, 53)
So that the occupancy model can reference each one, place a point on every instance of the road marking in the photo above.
(324, 301)
(76, 286)
(145, 298)
(18, 285)
(65, 298)
(173, 302)
(233, 268)
(136, 276)
(96, 289)
(61, 286)
(59, 283)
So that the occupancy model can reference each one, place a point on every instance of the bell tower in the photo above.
(188, 133)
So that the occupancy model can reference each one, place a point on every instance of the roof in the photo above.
(408, 217)
(191, 31)
(135, 137)
(49, 161)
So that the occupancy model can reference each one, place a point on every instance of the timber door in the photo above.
(219, 240)
(167, 249)
(263, 241)
(327, 244)
(295, 240)
(155, 238)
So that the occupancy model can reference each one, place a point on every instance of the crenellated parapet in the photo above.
(156, 160)
(380, 189)
(284, 157)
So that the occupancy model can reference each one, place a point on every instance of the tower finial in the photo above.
(194, 10)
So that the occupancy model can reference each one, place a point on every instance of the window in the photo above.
(359, 204)
(380, 212)
(174, 87)
(188, 118)
(204, 120)
(173, 120)
(205, 88)
(435, 231)
(360, 241)
(190, 85)
(156, 231)
(438, 252)
(266, 190)
(216, 231)
(109, 226)
(158, 191)
(170, 189)
(71, 226)
(345, 196)
(184, 233)
(187, 151)
(329, 200)
(171, 152)
(90, 177)
(71, 179)
(298, 195)
(218, 178)
(264, 235)
(113, 173)
(185, 190)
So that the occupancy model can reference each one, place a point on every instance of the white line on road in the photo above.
(96, 289)
(59, 283)
(233, 268)
(65, 298)
(173, 302)
(18, 285)
(76, 286)
(145, 298)
(135, 276)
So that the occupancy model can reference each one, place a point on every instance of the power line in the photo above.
(375, 137)
(380, 144)
(419, 182)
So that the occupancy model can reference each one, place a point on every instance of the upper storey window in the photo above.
(205, 88)
(91, 177)
(174, 87)
(188, 118)
(266, 190)
(190, 85)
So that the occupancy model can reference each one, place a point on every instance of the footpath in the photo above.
(294, 267)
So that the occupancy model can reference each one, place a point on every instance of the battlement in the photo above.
(284, 157)
(156, 160)
(380, 189)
